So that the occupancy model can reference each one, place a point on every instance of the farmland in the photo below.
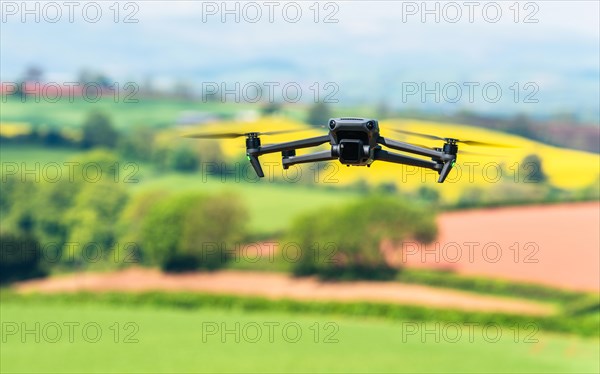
(369, 335)
(136, 236)
(170, 340)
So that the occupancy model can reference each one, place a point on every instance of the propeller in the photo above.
(233, 135)
(461, 152)
(468, 142)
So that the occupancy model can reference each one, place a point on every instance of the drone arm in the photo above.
(253, 150)
(312, 157)
(443, 169)
(288, 146)
(406, 147)
(383, 155)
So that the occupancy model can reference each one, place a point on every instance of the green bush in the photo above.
(183, 159)
(20, 258)
(192, 231)
(448, 279)
(343, 242)
(98, 131)
(137, 144)
(98, 164)
(589, 305)
(129, 227)
(184, 155)
(532, 168)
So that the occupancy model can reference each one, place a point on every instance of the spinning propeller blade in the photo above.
(224, 135)
(461, 152)
(233, 135)
(427, 136)
(467, 142)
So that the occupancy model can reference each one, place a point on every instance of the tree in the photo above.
(98, 164)
(192, 231)
(53, 137)
(137, 144)
(98, 131)
(91, 221)
(19, 258)
(532, 167)
(184, 159)
(344, 242)
(471, 197)
(428, 194)
(51, 201)
(33, 74)
(129, 226)
(319, 114)
(271, 108)
(18, 205)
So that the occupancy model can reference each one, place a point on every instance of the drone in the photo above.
(354, 142)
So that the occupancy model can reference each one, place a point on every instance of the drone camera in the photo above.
(288, 153)
(351, 151)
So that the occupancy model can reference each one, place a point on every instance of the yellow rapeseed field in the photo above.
(565, 168)
(11, 129)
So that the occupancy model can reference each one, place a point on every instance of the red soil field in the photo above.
(277, 286)
(554, 245)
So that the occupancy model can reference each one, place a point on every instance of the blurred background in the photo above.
(128, 247)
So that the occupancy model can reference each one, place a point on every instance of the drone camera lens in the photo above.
(370, 125)
(332, 124)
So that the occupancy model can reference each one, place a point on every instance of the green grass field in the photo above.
(167, 340)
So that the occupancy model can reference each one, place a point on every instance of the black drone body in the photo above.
(356, 142)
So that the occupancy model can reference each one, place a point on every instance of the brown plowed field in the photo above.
(555, 245)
